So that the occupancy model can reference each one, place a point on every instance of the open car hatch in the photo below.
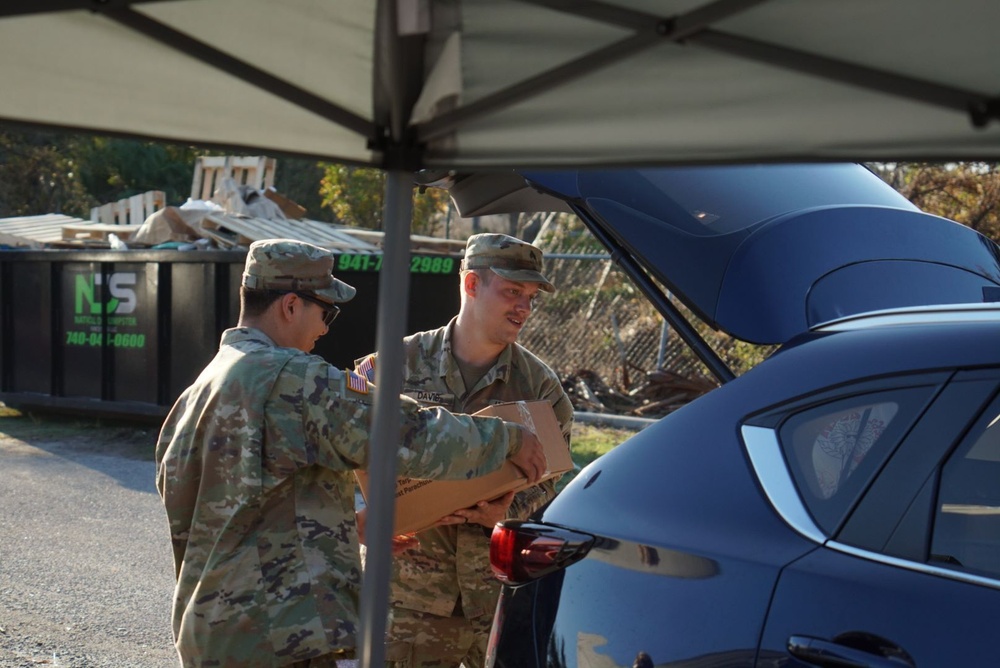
(764, 252)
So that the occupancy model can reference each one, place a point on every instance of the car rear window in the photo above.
(834, 450)
(723, 199)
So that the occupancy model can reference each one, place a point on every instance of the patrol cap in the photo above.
(295, 266)
(506, 256)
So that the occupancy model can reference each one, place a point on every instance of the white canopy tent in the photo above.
(488, 84)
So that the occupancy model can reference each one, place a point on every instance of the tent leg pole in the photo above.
(393, 293)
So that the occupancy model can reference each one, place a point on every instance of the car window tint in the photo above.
(722, 199)
(967, 525)
(834, 450)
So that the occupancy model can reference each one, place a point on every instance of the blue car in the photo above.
(837, 505)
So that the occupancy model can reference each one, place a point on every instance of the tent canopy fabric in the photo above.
(473, 84)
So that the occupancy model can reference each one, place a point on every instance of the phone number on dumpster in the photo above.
(418, 265)
(115, 340)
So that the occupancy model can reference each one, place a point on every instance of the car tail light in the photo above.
(523, 551)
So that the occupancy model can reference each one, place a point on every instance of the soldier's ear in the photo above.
(287, 304)
(470, 283)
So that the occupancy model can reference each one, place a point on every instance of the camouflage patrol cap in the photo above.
(295, 266)
(506, 256)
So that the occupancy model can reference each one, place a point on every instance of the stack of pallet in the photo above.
(35, 231)
(229, 231)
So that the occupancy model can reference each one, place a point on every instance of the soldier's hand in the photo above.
(403, 542)
(361, 517)
(486, 513)
(530, 459)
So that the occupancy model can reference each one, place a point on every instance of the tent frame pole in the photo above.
(393, 297)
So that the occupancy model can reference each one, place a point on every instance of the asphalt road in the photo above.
(86, 575)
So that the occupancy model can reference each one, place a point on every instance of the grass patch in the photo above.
(590, 442)
(117, 437)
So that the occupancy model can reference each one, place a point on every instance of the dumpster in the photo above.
(122, 333)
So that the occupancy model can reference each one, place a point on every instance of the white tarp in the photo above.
(726, 80)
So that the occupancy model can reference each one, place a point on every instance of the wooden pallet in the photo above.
(230, 231)
(97, 231)
(42, 229)
(209, 171)
(131, 210)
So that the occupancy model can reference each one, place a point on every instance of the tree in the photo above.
(112, 169)
(299, 180)
(356, 195)
(38, 174)
(968, 193)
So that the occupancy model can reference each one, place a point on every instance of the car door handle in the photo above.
(828, 654)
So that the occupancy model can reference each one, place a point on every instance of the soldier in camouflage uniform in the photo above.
(255, 467)
(443, 592)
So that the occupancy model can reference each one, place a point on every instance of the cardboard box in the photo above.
(421, 503)
(291, 209)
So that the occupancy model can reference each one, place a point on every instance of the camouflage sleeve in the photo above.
(529, 500)
(433, 442)
(439, 444)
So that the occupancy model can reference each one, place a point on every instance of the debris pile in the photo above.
(233, 203)
(659, 393)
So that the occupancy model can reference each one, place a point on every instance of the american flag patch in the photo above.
(367, 367)
(357, 383)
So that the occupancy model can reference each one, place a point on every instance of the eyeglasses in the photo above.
(330, 312)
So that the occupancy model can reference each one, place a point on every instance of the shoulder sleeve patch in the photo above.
(366, 367)
(357, 383)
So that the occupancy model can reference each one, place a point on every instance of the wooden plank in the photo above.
(292, 210)
(152, 201)
(242, 231)
(102, 214)
(267, 167)
(42, 228)
(199, 167)
(18, 242)
(97, 231)
(135, 213)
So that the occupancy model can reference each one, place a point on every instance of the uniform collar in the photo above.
(448, 367)
(238, 334)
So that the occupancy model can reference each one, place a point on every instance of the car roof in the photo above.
(919, 315)
(879, 345)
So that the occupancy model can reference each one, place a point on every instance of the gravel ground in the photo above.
(86, 574)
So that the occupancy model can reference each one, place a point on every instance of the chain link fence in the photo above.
(603, 337)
